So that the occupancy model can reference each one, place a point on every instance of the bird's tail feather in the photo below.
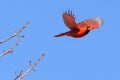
(61, 34)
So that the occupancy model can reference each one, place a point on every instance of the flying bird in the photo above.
(79, 29)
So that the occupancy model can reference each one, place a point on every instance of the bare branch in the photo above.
(10, 50)
(17, 76)
(31, 67)
(16, 33)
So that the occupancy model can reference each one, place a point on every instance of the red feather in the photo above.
(80, 29)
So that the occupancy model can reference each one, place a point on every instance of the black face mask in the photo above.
(87, 31)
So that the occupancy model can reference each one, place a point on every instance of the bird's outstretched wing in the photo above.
(69, 20)
(92, 23)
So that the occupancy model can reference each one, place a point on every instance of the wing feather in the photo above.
(69, 20)
(93, 23)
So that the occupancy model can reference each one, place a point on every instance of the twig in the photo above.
(31, 67)
(20, 73)
(10, 50)
(16, 33)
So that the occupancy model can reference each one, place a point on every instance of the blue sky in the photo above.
(93, 57)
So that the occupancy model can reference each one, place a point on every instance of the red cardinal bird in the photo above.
(78, 30)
